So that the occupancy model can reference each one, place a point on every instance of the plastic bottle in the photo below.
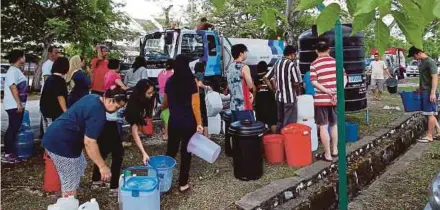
(70, 203)
(90, 205)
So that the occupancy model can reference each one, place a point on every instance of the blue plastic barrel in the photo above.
(164, 166)
(25, 143)
(412, 101)
(352, 131)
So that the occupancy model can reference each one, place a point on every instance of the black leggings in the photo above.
(110, 142)
(180, 137)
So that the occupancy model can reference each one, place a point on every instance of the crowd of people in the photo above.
(79, 106)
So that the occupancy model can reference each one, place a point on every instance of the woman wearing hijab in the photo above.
(182, 98)
(78, 82)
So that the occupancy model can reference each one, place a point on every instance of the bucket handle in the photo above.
(139, 168)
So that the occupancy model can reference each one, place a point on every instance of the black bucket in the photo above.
(391, 85)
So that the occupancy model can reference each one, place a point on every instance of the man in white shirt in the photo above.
(47, 65)
(378, 70)
(52, 54)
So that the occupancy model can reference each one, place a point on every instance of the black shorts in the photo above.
(325, 115)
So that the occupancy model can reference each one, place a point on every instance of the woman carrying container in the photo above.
(182, 98)
(76, 129)
(78, 82)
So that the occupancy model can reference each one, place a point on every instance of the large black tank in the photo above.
(354, 64)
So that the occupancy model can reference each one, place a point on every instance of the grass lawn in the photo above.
(214, 185)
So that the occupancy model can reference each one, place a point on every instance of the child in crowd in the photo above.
(265, 104)
(112, 78)
(162, 79)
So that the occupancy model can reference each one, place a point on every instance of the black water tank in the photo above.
(354, 64)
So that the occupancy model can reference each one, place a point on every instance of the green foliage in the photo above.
(382, 36)
(327, 18)
(308, 4)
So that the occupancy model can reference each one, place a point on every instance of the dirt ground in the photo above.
(214, 186)
(406, 186)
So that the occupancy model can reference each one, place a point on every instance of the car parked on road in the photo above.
(412, 69)
(4, 69)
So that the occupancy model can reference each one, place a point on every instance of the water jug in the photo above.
(203, 148)
(314, 132)
(214, 124)
(25, 142)
(70, 203)
(140, 191)
(90, 205)
(306, 108)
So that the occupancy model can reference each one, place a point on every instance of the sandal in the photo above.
(425, 140)
(335, 155)
(322, 157)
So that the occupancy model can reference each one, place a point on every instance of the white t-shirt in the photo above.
(46, 71)
(377, 69)
(14, 76)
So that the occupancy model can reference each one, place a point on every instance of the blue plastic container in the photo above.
(164, 166)
(412, 101)
(25, 142)
(352, 131)
(140, 191)
(26, 118)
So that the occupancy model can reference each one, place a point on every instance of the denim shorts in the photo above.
(429, 108)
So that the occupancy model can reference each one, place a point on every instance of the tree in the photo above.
(43, 22)
(246, 18)
(411, 16)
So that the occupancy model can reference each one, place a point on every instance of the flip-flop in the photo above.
(185, 190)
(437, 138)
(334, 155)
(425, 140)
(322, 157)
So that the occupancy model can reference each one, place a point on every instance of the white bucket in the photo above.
(203, 148)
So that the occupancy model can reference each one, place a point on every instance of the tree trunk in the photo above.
(36, 83)
(167, 16)
(289, 35)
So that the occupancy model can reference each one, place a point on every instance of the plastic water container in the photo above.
(412, 101)
(306, 108)
(70, 203)
(165, 167)
(214, 124)
(26, 118)
(274, 148)
(352, 131)
(25, 142)
(140, 191)
(203, 148)
(314, 133)
(90, 205)
(297, 143)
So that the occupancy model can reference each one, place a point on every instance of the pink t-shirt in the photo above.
(162, 80)
(110, 79)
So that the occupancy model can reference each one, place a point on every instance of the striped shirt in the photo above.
(286, 74)
(323, 70)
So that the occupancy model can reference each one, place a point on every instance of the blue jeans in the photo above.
(242, 115)
(15, 120)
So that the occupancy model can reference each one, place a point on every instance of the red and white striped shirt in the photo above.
(323, 70)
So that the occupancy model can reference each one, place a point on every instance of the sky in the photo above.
(141, 9)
